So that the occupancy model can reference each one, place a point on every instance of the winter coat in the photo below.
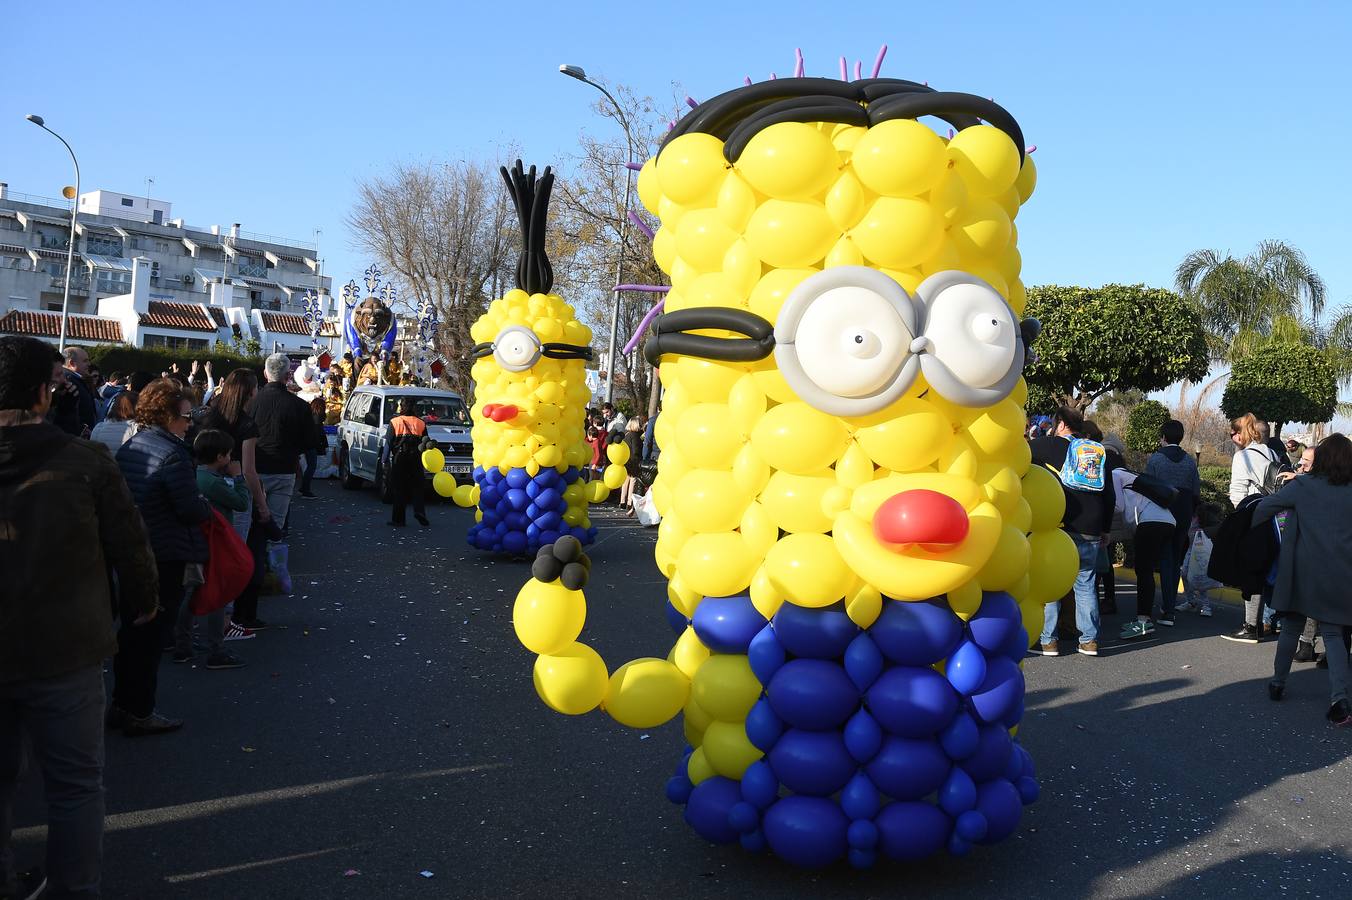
(1314, 568)
(66, 518)
(1172, 465)
(1088, 513)
(285, 429)
(74, 412)
(163, 480)
(1248, 472)
(1135, 508)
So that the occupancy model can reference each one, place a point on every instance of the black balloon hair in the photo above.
(534, 275)
(735, 117)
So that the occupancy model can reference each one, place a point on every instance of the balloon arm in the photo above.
(641, 225)
(643, 326)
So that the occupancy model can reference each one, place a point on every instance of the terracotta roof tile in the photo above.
(285, 323)
(48, 324)
(218, 316)
(184, 316)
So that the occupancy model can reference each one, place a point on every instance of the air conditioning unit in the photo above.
(187, 279)
(154, 264)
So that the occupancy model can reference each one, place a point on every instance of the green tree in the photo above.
(1143, 425)
(1282, 383)
(1268, 294)
(1113, 338)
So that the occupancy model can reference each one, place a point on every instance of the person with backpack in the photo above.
(1314, 567)
(402, 438)
(1152, 528)
(1086, 479)
(1172, 465)
(1253, 473)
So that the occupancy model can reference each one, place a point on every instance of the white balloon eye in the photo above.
(975, 352)
(843, 340)
(516, 348)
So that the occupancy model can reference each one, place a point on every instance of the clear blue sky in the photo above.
(1161, 127)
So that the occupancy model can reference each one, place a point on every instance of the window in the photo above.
(434, 410)
(162, 246)
(172, 342)
(256, 299)
(54, 307)
(126, 201)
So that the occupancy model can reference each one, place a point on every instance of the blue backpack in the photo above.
(1084, 466)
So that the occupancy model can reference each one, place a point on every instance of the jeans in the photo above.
(1153, 541)
(1086, 599)
(63, 718)
(1170, 566)
(1335, 651)
(136, 666)
(406, 485)
(1258, 608)
(278, 490)
(183, 628)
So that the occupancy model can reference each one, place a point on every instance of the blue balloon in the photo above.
(912, 830)
(517, 521)
(807, 831)
(727, 624)
(759, 784)
(860, 799)
(863, 661)
(763, 727)
(1015, 714)
(1028, 769)
(862, 859)
(958, 793)
(966, 668)
(675, 618)
(533, 534)
(533, 512)
(812, 762)
(493, 475)
(478, 473)
(679, 788)
(533, 489)
(1014, 768)
(820, 633)
(1016, 648)
(547, 535)
(708, 807)
(1000, 803)
(514, 542)
(1000, 692)
(994, 620)
(550, 499)
(550, 521)
(517, 478)
(971, 826)
(765, 654)
(571, 475)
(484, 539)
(957, 846)
(753, 842)
(992, 754)
(489, 497)
(744, 817)
(912, 701)
(960, 738)
(517, 498)
(1028, 790)
(916, 633)
(863, 736)
(909, 768)
(863, 834)
(813, 694)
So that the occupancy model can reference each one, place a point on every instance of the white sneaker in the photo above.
(1205, 611)
(1186, 606)
(235, 632)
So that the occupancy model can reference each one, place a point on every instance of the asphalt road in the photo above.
(387, 727)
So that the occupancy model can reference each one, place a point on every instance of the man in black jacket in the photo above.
(1089, 516)
(285, 431)
(75, 410)
(67, 517)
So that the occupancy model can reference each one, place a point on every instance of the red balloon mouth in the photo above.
(927, 519)
(500, 412)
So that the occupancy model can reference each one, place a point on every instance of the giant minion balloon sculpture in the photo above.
(856, 546)
(530, 399)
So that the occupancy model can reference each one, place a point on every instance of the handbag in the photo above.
(1156, 490)
(228, 568)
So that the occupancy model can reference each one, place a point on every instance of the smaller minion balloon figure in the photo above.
(855, 543)
(530, 399)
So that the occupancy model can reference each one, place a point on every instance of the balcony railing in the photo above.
(104, 247)
(253, 270)
(77, 282)
(51, 243)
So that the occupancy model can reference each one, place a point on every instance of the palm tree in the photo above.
(1269, 294)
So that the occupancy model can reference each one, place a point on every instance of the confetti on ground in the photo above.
(426, 873)
(247, 749)
(351, 872)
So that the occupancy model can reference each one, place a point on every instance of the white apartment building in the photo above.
(143, 278)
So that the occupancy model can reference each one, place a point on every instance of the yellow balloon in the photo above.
(986, 159)
(690, 169)
(433, 460)
(444, 484)
(1045, 498)
(764, 596)
(597, 492)
(789, 160)
(572, 681)
(710, 500)
(547, 617)
(728, 750)
(698, 769)
(645, 693)
(719, 564)
(898, 232)
(790, 233)
(1052, 565)
(702, 238)
(758, 529)
(797, 438)
(914, 435)
(1027, 180)
(725, 687)
(965, 599)
(549, 456)
(846, 201)
(618, 453)
(899, 158)
(808, 570)
(794, 502)
(865, 606)
(706, 436)
(981, 228)
(1008, 561)
(614, 476)
(462, 495)
(689, 653)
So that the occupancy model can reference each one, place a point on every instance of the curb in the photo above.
(1222, 594)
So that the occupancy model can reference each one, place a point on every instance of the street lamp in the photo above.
(70, 244)
(580, 74)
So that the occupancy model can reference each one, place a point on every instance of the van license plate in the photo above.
(459, 468)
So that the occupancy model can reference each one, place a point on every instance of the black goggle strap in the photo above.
(481, 350)
(1029, 329)
(565, 351)
(670, 335)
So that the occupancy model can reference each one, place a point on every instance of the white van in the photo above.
(362, 453)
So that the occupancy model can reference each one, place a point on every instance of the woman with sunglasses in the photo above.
(160, 472)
